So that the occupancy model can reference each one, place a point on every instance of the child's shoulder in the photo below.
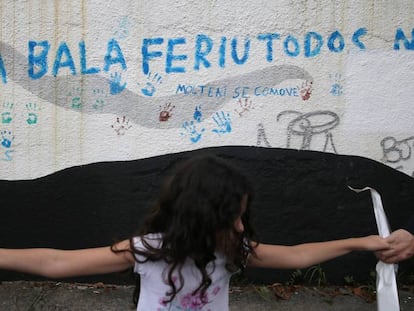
(152, 239)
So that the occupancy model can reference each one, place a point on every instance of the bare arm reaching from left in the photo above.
(53, 263)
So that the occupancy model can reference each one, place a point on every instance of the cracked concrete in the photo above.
(34, 296)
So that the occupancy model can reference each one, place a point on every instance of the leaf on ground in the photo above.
(364, 293)
(283, 291)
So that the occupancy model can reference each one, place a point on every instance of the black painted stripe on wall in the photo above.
(301, 196)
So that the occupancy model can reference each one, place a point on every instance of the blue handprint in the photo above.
(6, 117)
(31, 116)
(7, 139)
(197, 114)
(191, 129)
(336, 88)
(223, 122)
(8, 155)
(148, 90)
(122, 30)
(115, 84)
(99, 96)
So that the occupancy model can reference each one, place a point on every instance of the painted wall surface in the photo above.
(99, 99)
(300, 196)
(91, 81)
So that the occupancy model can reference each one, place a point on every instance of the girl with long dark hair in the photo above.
(197, 235)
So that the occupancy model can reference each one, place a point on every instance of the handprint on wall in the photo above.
(122, 29)
(191, 130)
(223, 123)
(32, 116)
(306, 90)
(121, 125)
(99, 97)
(115, 85)
(197, 113)
(336, 88)
(166, 112)
(6, 115)
(7, 138)
(245, 106)
(76, 98)
(149, 88)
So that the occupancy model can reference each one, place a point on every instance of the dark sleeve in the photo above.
(410, 225)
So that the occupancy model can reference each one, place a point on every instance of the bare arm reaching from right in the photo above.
(402, 247)
(308, 254)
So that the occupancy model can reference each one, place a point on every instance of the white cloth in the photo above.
(154, 285)
(387, 293)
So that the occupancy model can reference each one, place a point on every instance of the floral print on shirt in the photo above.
(189, 302)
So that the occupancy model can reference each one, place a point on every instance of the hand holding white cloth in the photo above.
(387, 293)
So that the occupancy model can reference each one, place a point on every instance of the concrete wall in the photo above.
(90, 81)
(121, 85)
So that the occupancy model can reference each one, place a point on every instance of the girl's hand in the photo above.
(374, 243)
(402, 247)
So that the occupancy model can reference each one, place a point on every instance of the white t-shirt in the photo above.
(154, 285)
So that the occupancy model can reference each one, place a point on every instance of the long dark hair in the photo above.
(195, 213)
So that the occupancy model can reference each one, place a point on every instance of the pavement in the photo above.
(33, 296)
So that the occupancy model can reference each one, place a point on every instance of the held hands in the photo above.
(402, 247)
(374, 243)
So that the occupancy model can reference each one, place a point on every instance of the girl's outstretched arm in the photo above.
(53, 263)
(308, 254)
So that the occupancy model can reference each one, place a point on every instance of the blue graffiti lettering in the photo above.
(146, 55)
(63, 50)
(200, 54)
(313, 49)
(336, 36)
(241, 91)
(399, 35)
(113, 46)
(38, 61)
(206, 52)
(38, 64)
(210, 91)
(84, 69)
(236, 59)
(222, 52)
(181, 88)
(205, 46)
(357, 34)
(3, 71)
(269, 37)
(171, 57)
(296, 47)
(270, 91)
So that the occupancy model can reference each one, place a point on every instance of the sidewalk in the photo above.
(33, 296)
